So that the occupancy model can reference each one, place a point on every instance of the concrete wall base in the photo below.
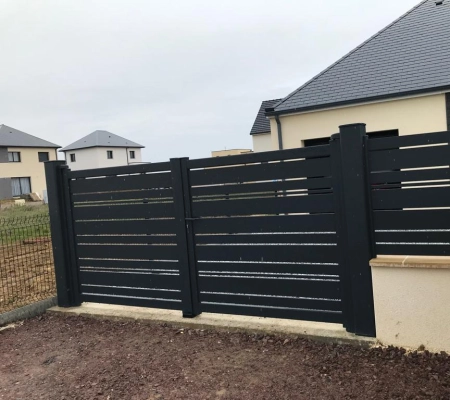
(29, 311)
(313, 330)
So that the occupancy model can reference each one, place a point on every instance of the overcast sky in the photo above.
(181, 77)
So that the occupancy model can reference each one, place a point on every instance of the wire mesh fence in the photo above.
(26, 261)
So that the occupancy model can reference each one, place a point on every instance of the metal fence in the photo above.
(26, 261)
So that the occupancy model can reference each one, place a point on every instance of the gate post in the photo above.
(185, 237)
(62, 233)
(354, 227)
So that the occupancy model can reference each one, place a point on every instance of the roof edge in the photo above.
(350, 53)
(55, 146)
(97, 145)
(270, 112)
(259, 133)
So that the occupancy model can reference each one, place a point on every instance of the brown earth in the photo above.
(67, 357)
(26, 273)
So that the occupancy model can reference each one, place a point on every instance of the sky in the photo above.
(181, 77)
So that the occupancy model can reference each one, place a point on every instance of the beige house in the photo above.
(22, 158)
(397, 83)
(230, 152)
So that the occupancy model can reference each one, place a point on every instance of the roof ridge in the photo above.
(350, 53)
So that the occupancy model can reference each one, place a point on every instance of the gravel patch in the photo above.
(72, 357)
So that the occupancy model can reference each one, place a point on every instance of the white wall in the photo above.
(412, 303)
(96, 157)
(262, 142)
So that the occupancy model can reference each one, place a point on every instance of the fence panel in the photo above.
(265, 236)
(26, 261)
(126, 236)
(410, 187)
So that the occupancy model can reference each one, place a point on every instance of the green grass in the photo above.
(25, 211)
(24, 222)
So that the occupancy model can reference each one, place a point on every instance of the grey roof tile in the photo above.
(10, 137)
(412, 54)
(101, 139)
(262, 124)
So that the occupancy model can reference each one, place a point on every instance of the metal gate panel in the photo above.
(125, 236)
(265, 236)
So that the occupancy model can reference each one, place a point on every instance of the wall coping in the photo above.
(430, 262)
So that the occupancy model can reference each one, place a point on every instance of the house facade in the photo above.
(397, 83)
(22, 158)
(230, 152)
(102, 149)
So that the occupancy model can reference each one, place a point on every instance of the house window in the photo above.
(14, 156)
(73, 158)
(316, 142)
(109, 154)
(371, 135)
(132, 154)
(382, 134)
(43, 156)
(20, 186)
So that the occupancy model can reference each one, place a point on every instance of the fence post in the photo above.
(63, 240)
(185, 237)
(354, 227)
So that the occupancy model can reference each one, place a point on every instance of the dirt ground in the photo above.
(26, 272)
(69, 357)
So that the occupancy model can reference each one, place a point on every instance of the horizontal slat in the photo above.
(410, 176)
(409, 140)
(413, 237)
(272, 312)
(320, 167)
(129, 291)
(132, 301)
(131, 279)
(282, 223)
(266, 187)
(411, 198)
(148, 194)
(412, 219)
(282, 302)
(262, 195)
(267, 156)
(268, 268)
(164, 226)
(413, 250)
(386, 160)
(267, 238)
(292, 204)
(139, 252)
(269, 286)
(153, 265)
(122, 182)
(126, 169)
(268, 253)
(147, 239)
(128, 211)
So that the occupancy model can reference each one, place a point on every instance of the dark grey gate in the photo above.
(265, 235)
(286, 234)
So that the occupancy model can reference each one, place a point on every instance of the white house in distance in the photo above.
(102, 149)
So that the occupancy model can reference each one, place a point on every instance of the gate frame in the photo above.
(63, 234)
(354, 226)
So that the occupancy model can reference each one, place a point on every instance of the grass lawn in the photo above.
(24, 222)
(26, 259)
